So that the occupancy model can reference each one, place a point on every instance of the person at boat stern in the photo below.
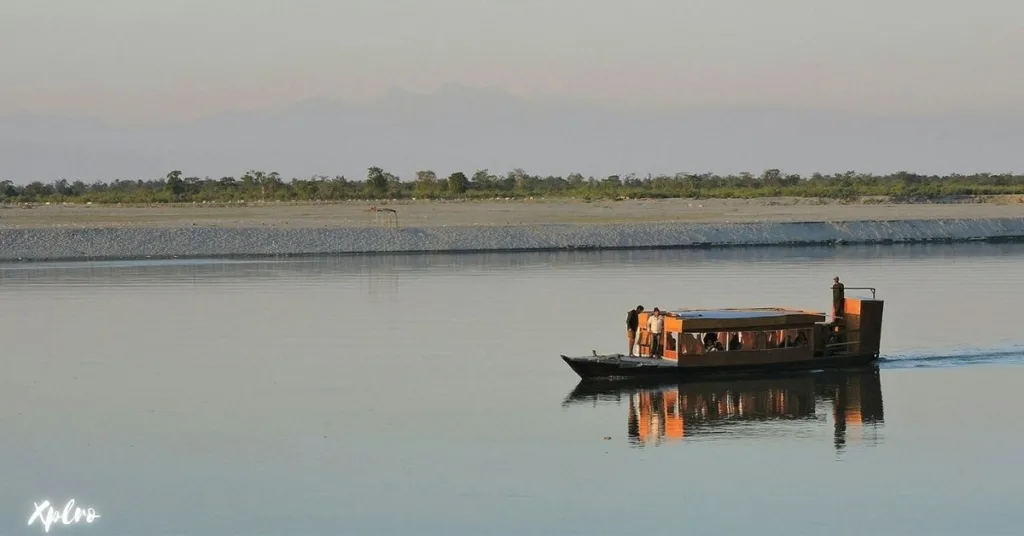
(656, 325)
(838, 298)
(632, 323)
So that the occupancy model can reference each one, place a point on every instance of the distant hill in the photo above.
(464, 129)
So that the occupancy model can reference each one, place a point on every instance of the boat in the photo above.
(705, 342)
(667, 411)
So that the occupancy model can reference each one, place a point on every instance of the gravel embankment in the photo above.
(62, 243)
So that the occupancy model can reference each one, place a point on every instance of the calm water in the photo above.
(424, 395)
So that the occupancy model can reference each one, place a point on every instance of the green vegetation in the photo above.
(262, 186)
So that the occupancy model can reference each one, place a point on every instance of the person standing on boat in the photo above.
(838, 298)
(656, 325)
(632, 323)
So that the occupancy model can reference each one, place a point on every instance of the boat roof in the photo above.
(695, 319)
(747, 312)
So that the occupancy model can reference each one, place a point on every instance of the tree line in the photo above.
(260, 186)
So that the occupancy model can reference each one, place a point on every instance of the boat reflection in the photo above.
(658, 413)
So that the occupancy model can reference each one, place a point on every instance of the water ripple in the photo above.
(1012, 355)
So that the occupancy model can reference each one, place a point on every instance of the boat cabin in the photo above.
(756, 335)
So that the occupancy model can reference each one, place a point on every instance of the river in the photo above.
(423, 394)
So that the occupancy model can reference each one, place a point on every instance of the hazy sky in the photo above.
(150, 61)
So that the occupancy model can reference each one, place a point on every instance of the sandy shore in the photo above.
(111, 232)
(441, 214)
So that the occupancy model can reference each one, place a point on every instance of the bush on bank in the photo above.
(269, 186)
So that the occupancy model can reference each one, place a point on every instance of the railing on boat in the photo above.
(838, 344)
(845, 345)
(872, 289)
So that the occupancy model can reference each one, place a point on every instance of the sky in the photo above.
(136, 64)
(126, 60)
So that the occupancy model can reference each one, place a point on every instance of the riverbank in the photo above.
(59, 232)
(502, 212)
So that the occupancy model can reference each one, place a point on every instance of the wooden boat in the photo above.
(676, 410)
(702, 342)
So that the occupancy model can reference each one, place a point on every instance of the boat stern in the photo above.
(863, 324)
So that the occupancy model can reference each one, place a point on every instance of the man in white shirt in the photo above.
(655, 326)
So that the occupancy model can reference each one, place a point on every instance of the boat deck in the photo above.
(616, 366)
(623, 360)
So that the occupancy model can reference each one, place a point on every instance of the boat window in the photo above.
(796, 337)
(689, 344)
(742, 341)
(713, 341)
(752, 340)
(772, 339)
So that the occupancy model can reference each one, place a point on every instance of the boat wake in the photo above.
(1003, 356)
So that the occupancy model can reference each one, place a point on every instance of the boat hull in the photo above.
(606, 368)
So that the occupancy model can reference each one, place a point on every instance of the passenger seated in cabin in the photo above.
(709, 340)
(837, 337)
(734, 343)
(800, 340)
